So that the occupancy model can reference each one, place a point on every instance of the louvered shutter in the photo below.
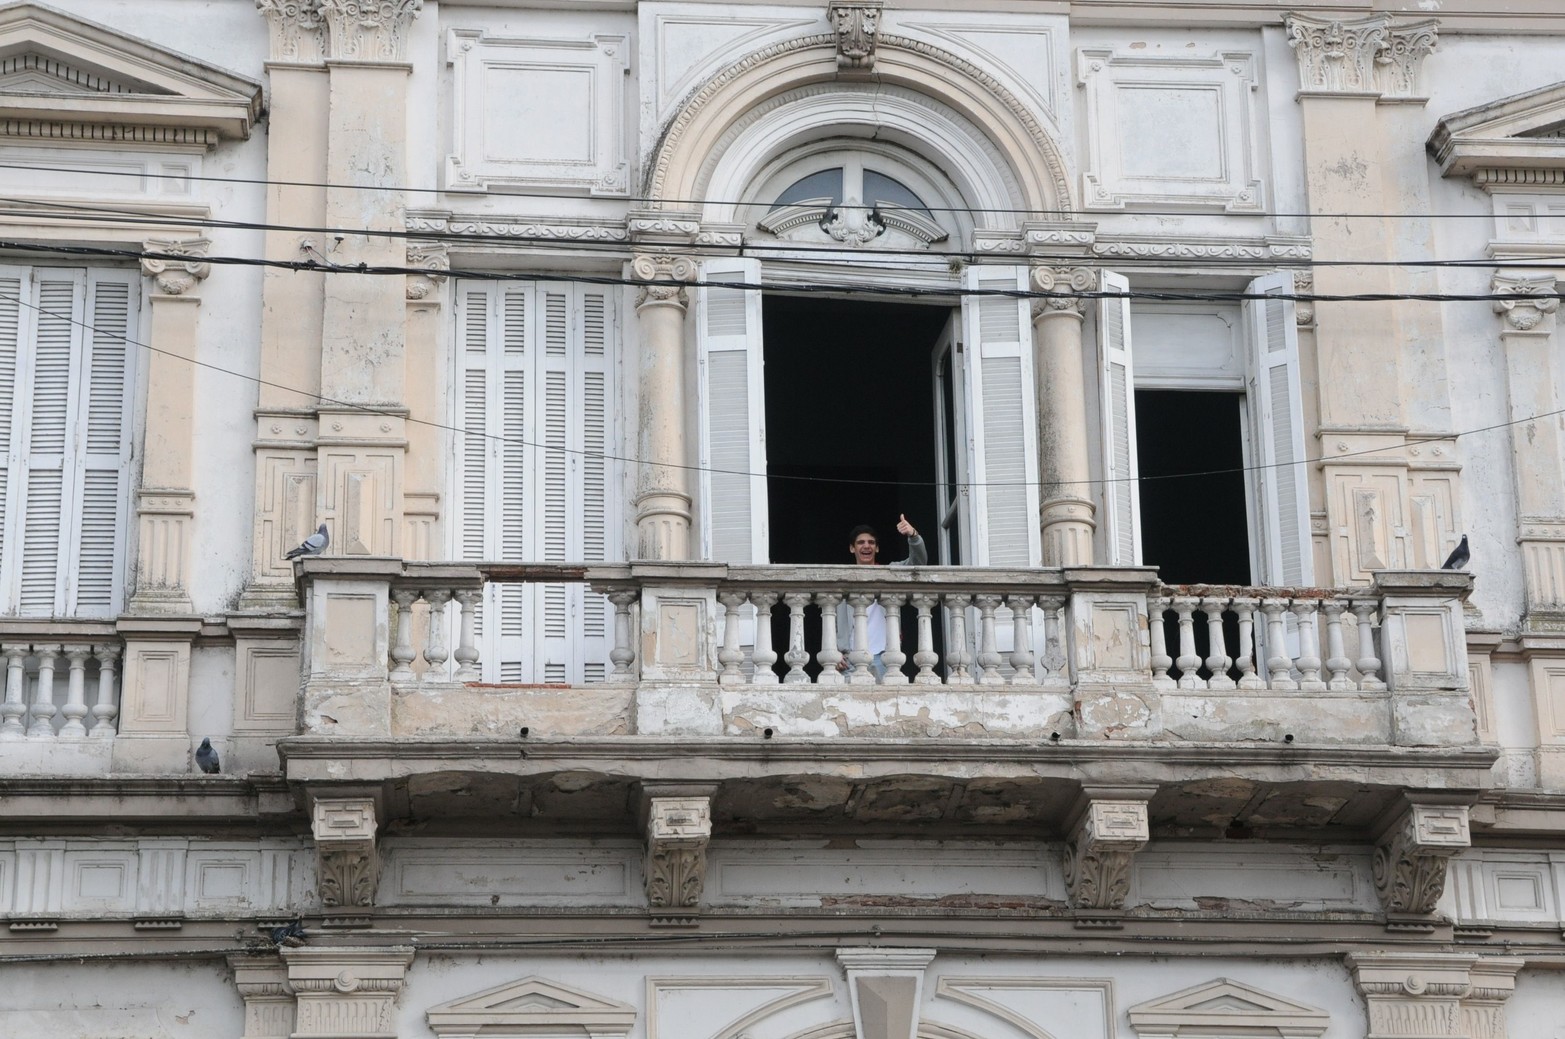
(1117, 410)
(1001, 419)
(591, 491)
(732, 408)
(1274, 395)
(102, 469)
(13, 284)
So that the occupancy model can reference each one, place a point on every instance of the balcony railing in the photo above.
(1083, 652)
(61, 680)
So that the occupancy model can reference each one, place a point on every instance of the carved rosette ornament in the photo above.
(1062, 287)
(176, 265)
(1099, 854)
(344, 833)
(297, 28)
(1411, 859)
(678, 830)
(369, 30)
(857, 26)
(434, 259)
(665, 278)
(1526, 300)
(1366, 56)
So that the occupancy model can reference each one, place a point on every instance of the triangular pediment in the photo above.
(57, 68)
(1230, 1008)
(532, 1005)
(1524, 131)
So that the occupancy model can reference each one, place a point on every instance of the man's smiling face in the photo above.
(864, 549)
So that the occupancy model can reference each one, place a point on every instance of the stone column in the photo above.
(663, 478)
(347, 993)
(1067, 509)
(165, 504)
(291, 301)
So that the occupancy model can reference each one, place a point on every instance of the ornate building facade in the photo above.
(1194, 338)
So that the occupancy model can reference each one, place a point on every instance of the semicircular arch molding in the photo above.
(691, 147)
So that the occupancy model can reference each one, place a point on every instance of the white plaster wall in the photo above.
(146, 1000)
(1534, 1010)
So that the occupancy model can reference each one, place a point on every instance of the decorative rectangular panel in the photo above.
(529, 111)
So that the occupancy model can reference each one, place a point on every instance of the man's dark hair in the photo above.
(862, 528)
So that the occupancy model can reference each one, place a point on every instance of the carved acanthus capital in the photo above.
(665, 277)
(857, 25)
(176, 264)
(1411, 859)
(297, 28)
(434, 259)
(678, 830)
(369, 30)
(344, 831)
(1303, 307)
(1366, 56)
(1063, 287)
(1526, 299)
(1099, 854)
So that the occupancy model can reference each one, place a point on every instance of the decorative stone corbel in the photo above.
(678, 830)
(297, 28)
(857, 25)
(1411, 859)
(369, 30)
(344, 830)
(433, 259)
(179, 264)
(1527, 300)
(1098, 857)
(1303, 286)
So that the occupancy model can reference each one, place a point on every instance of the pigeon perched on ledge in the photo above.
(290, 934)
(1458, 557)
(206, 758)
(313, 545)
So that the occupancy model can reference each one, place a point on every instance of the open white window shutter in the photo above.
(1001, 419)
(96, 582)
(1280, 482)
(13, 416)
(1117, 409)
(732, 406)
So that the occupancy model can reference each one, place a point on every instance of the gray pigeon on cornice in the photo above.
(1458, 557)
(313, 545)
(206, 758)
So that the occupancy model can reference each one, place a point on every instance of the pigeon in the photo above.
(206, 757)
(1458, 557)
(290, 934)
(313, 545)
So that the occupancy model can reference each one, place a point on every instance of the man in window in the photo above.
(864, 545)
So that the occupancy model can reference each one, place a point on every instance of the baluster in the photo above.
(467, 641)
(435, 652)
(43, 699)
(14, 709)
(925, 656)
(829, 656)
(796, 656)
(1368, 663)
(1052, 660)
(1249, 673)
(989, 658)
(957, 656)
(894, 658)
(1309, 647)
(731, 656)
(624, 652)
(1161, 661)
(1279, 666)
(1023, 671)
(1188, 662)
(75, 708)
(1217, 659)
(859, 655)
(765, 655)
(105, 710)
(1337, 662)
(402, 648)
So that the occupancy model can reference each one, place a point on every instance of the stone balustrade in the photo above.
(1074, 652)
(61, 681)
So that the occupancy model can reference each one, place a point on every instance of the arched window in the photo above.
(858, 200)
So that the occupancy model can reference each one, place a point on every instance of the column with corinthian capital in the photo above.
(663, 479)
(1067, 510)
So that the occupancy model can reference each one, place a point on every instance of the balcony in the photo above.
(61, 704)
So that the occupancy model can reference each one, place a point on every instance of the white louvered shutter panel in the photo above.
(1001, 419)
(1276, 408)
(13, 285)
(592, 491)
(732, 407)
(556, 642)
(1117, 408)
(57, 335)
(102, 475)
